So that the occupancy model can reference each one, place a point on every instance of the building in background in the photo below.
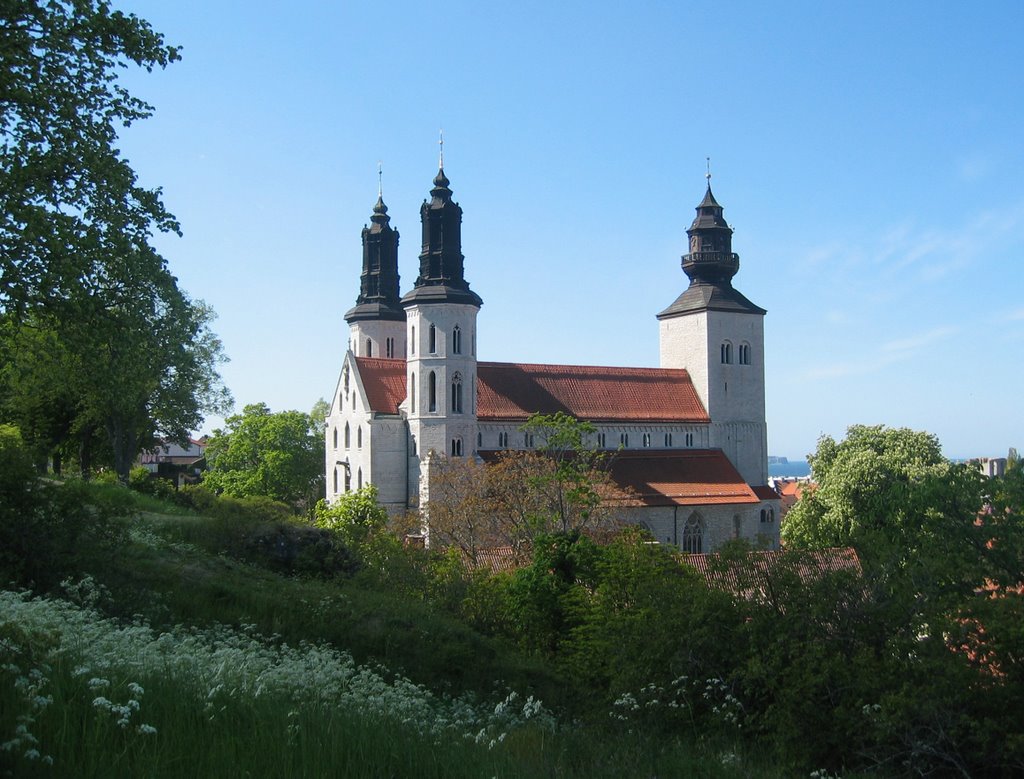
(690, 435)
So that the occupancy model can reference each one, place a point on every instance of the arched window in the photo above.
(457, 393)
(503, 440)
(764, 515)
(726, 353)
(479, 440)
(389, 346)
(348, 436)
(668, 440)
(457, 340)
(335, 436)
(359, 437)
(369, 348)
(432, 392)
(647, 440)
(348, 480)
(602, 441)
(624, 440)
(693, 535)
(412, 342)
(744, 354)
(689, 439)
(433, 340)
(412, 390)
(456, 447)
(335, 480)
(344, 380)
(359, 479)
(528, 440)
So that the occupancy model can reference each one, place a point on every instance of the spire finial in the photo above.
(380, 179)
(440, 142)
(708, 174)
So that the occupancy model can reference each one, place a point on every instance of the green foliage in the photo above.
(355, 515)
(274, 455)
(47, 530)
(70, 201)
(871, 488)
(570, 489)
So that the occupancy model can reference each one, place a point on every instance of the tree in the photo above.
(278, 455)
(76, 263)
(68, 201)
(563, 486)
(869, 487)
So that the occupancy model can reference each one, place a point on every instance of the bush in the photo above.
(47, 530)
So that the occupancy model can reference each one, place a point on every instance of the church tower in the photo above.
(718, 336)
(377, 322)
(441, 312)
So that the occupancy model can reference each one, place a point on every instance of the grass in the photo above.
(172, 659)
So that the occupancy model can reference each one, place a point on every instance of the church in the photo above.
(689, 437)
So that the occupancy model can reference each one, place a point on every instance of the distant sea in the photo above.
(791, 468)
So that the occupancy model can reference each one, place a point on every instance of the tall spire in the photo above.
(378, 284)
(441, 277)
(710, 263)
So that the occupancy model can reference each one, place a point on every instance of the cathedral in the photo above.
(689, 437)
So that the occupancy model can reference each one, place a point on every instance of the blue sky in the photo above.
(868, 155)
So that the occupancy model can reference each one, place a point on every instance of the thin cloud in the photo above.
(919, 341)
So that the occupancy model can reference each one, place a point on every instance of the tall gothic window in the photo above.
(335, 445)
(433, 340)
(344, 380)
(412, 390)
(348, 480)
(412, 343)
(348, 436)
(457, 393)
(668, 440)
(335, 480)
(457, 340)
(389, 347)
(359, 479)
(359, 437)
(432, 392)
(456, 447)
(369, 348)
(693, 535)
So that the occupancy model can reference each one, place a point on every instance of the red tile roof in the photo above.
(764, 492)
(691, 477)
(514, 391)
(384, 382)
(809, 565)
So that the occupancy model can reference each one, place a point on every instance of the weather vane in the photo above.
(708, 174)
(440, 142)
(380, 179)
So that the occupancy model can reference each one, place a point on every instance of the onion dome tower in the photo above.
(441, 312)
(377, 322)
(717, 335)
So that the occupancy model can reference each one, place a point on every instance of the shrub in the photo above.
(47, 530)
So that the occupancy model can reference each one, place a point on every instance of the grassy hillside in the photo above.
(170, 647)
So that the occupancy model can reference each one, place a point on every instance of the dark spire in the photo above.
(378, 285)
(710, 264)
(441, 278)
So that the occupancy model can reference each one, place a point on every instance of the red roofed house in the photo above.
(691, 434)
